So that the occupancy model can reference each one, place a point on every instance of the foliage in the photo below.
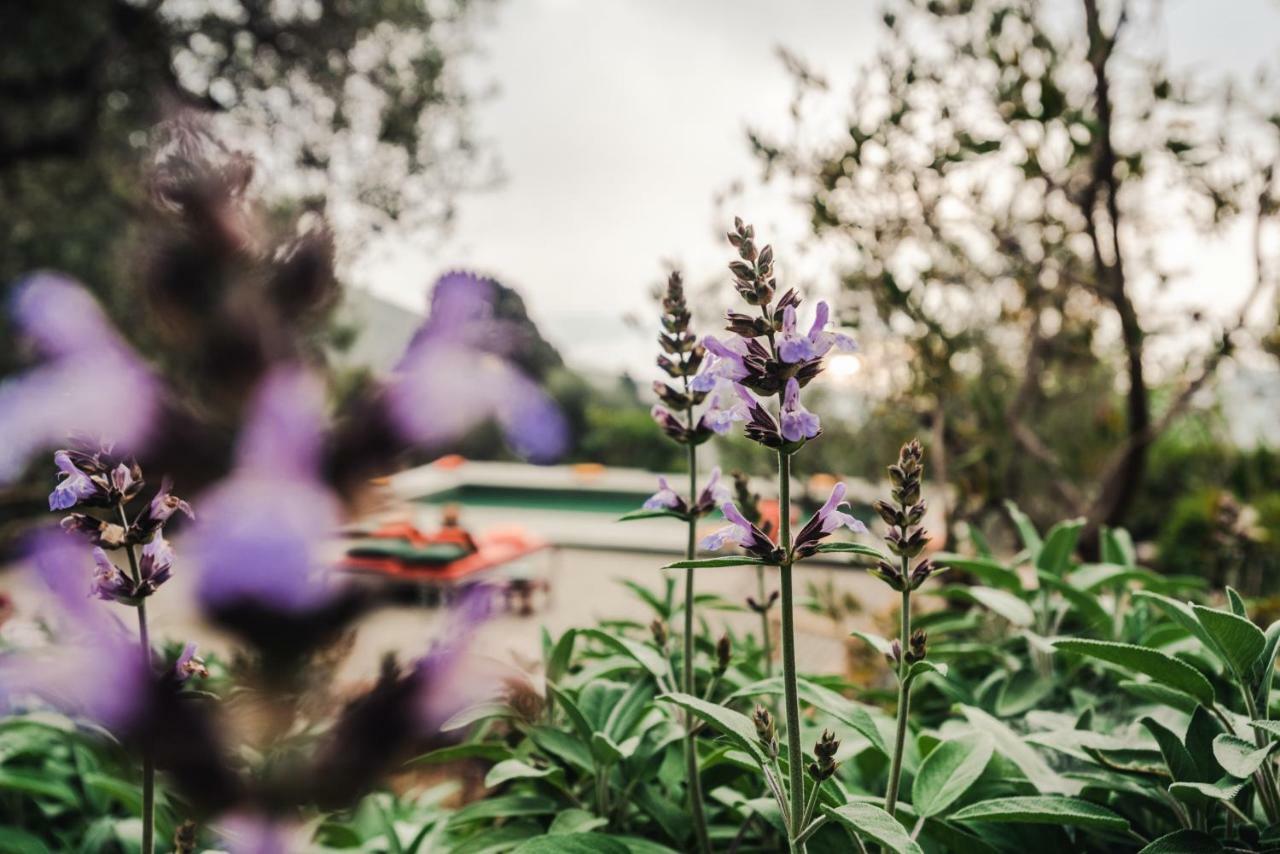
(1154, 724)
(1003, 179)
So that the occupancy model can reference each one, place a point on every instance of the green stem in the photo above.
(810, 804)
(764, 622)
(1267, 790)
(148, 761)
(904, 699)
(690, 745)
(795, 769)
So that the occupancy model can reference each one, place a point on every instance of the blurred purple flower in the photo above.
(797, 422)
(189, 664)
(794, 347)
(741, 532)
(259, 531)
(456, 375)
(448, 678)
(94, 668)
(254, 833)
(91, 383)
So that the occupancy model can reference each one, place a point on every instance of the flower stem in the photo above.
(148, 761)
(764, 622)
(690, 745)
(795, 769)
(904, 699)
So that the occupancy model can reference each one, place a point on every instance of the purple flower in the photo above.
(713, 494)
(109, 583)
(259, 531)
(159, 510)
(665, 498)
(189, 664)
(74, 486)
(794, 347)
(724, 406)
(95, 667)
(91, 383)
(725, 362)
(455, 375)
(829, 519)
(155, 564)
(798, 423)
(740, 532)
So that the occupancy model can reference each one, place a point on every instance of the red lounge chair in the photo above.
(401, 552)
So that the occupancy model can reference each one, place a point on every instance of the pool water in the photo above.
(604, 502)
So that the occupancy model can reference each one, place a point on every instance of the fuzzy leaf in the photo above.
(920, 668)
(1055, 555)
(1272, 727)
(1238, 640)
(1162, 668)
(714, 562)
(853, 548)
(514, 769)
(839, 707)
(1026, 530)
(643, 654)
(881, 645)
(1240, 758)
(1033, 809)
(1184, 842)
(652, 514)
(986, 570)
(572, 843)
(1203, 794)
(735, 726)
(1264, 668)
(1182, 767)
(1017, 751)
(1000, 602)
(948, 772)
(869, 822)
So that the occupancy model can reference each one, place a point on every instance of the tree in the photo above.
(1001, 190)
(355, 109)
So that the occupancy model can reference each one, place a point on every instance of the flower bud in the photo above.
(895, 653)
(921, 573)
(766, 730)
(917, 646)
(762, 608)
(916, 513)
(825, 751)
(890, 514)
(724, 654)
(659, 631)
(887, 572)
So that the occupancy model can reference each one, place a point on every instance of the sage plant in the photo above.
(906, 539)
(769, 357)
(681, 360)
(99, 487)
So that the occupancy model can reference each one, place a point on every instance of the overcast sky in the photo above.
(618, 121)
